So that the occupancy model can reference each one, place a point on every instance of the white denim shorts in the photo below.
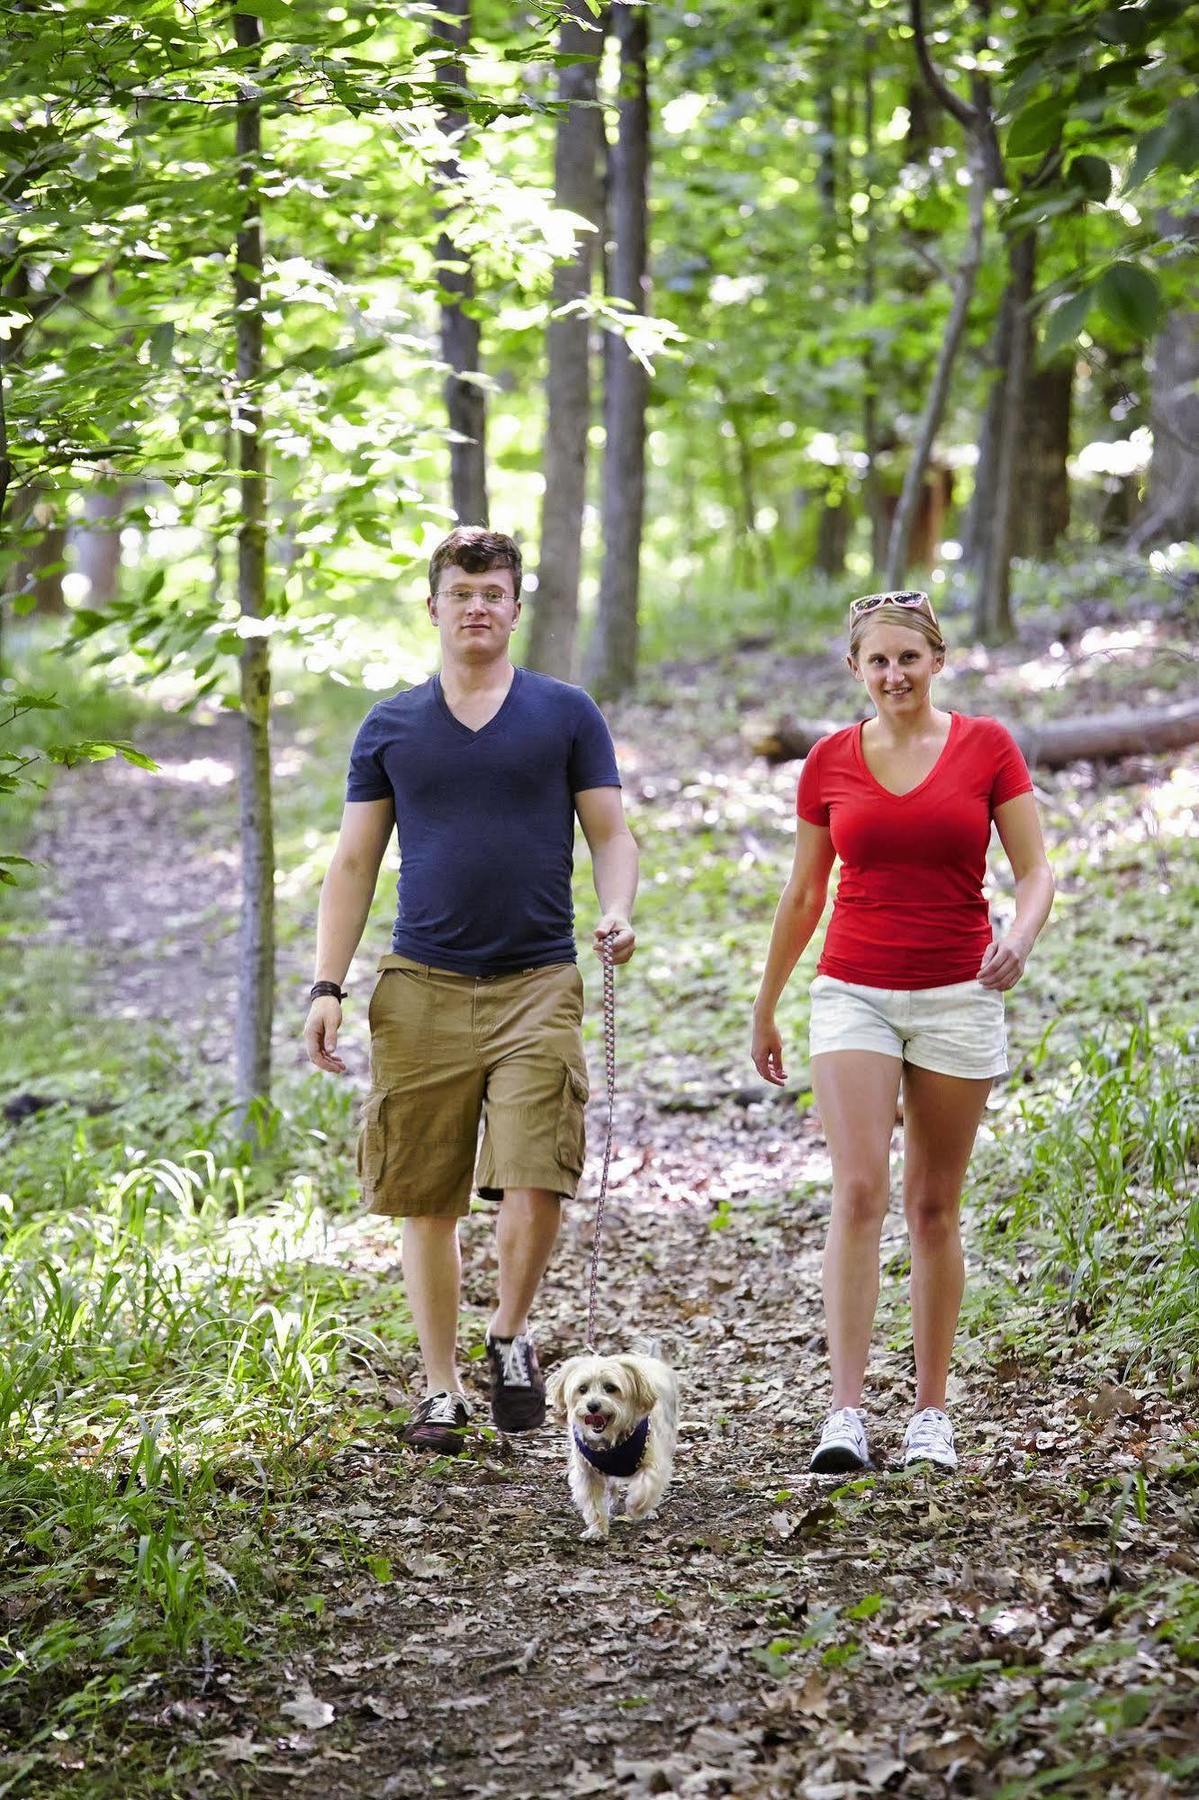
(954, 1030)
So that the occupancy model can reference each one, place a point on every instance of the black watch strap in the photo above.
(319, 989)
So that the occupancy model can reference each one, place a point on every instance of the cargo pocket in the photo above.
(372, 1143)
(572, 1139)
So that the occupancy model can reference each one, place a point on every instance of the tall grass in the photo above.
(182, 1346)
(1096, 1186)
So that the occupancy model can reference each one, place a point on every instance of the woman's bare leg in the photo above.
(856, 1092)
(941, 1115)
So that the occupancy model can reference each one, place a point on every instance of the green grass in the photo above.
(191, 1336)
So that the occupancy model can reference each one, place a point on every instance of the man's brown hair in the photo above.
(475, 549)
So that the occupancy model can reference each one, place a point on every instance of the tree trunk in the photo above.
(832, 536)
(913, 481)
(976, 536)
(1172, 509)
(39, 565)
(1042, 498)
(992, 604)
(611, 663)
(256, 950)
(872, 487)
(466, 401)
(568, 377)
(1098, 737)
(97, 543)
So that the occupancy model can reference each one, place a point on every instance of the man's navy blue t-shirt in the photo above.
(485, 819)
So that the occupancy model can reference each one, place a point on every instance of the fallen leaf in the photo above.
(238, 1749)
(308, 1711)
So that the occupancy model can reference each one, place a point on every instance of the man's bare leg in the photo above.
(433, 1282)
(525, 1232)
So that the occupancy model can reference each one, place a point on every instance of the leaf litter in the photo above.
(1031, 1624)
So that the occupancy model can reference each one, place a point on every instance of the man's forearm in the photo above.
(614, 871)
(346, 895)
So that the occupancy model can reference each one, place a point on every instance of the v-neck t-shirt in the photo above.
(485, 819)
(910, 911)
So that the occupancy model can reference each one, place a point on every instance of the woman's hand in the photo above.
(1003, 964)
(767, 1051)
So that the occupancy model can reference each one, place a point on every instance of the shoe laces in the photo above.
(442, 1409)
(841, 1420)
(514, 1361)
(930, 1428)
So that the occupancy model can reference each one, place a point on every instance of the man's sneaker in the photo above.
(439, 1425)
(517, 1384)
(929, 1438)
(842, 1445)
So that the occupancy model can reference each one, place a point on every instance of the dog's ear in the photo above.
(643, 1394)
(555, 1387)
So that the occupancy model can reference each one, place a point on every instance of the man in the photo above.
(477, 1013)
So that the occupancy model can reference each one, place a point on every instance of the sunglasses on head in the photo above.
(909, 597)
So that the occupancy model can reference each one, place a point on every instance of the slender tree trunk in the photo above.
(905, 513)
(977, 533)
(568, 378)
(1042, 500)
(1172, 509)
(871, 483)
(611, 662)
(256, 950)
(466, 401)
(97, 543)
(992, 605)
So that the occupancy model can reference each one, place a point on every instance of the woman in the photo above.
(909, 989)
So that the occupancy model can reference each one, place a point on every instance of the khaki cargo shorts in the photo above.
(450, 1050)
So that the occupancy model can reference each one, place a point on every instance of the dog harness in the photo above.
(624, 1459)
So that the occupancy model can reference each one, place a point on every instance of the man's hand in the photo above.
(766, 1049)
(625, 941)
(320, 1034)
(1003, 963)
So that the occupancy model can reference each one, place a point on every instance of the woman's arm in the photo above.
(1019, 828)
(796, 918)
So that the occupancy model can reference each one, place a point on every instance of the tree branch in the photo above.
(966, 116)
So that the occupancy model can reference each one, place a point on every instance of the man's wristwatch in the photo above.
(319, 989)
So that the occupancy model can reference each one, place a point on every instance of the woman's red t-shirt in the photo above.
(909, 911)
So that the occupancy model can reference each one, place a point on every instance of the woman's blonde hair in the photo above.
(906, 606)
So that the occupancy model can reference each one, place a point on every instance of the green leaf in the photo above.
(1175, 142)
(162, 344)
(1066, 321)
(1037, 127)
(29, 701)
(1131, 298)
(866, 1608)
(1093, 174)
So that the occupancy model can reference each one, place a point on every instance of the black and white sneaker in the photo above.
(517, 1384)
(843, 1446)
(438, 1425)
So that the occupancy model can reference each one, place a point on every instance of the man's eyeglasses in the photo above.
(909, 597)
(463, 596)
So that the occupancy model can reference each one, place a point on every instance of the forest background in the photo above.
(729, 314)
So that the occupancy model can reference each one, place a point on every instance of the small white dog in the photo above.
(621, 1416)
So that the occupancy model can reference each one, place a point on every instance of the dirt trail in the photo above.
(769, 1634)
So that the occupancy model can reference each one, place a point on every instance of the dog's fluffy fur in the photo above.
(605, 1398)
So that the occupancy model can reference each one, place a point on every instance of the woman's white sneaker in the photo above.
(842, 1447)
(929, 1438)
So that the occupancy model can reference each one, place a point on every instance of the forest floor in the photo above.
(1019, 1627)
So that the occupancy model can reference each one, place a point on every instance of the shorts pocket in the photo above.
(571, 1144)
(372, 1142)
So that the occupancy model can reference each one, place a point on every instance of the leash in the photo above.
(610, 1073)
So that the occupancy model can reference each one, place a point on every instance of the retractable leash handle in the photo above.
(609, 1015)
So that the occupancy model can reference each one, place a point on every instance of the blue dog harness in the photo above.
(624, 1459)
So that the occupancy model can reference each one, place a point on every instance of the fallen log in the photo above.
(1093, 737)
